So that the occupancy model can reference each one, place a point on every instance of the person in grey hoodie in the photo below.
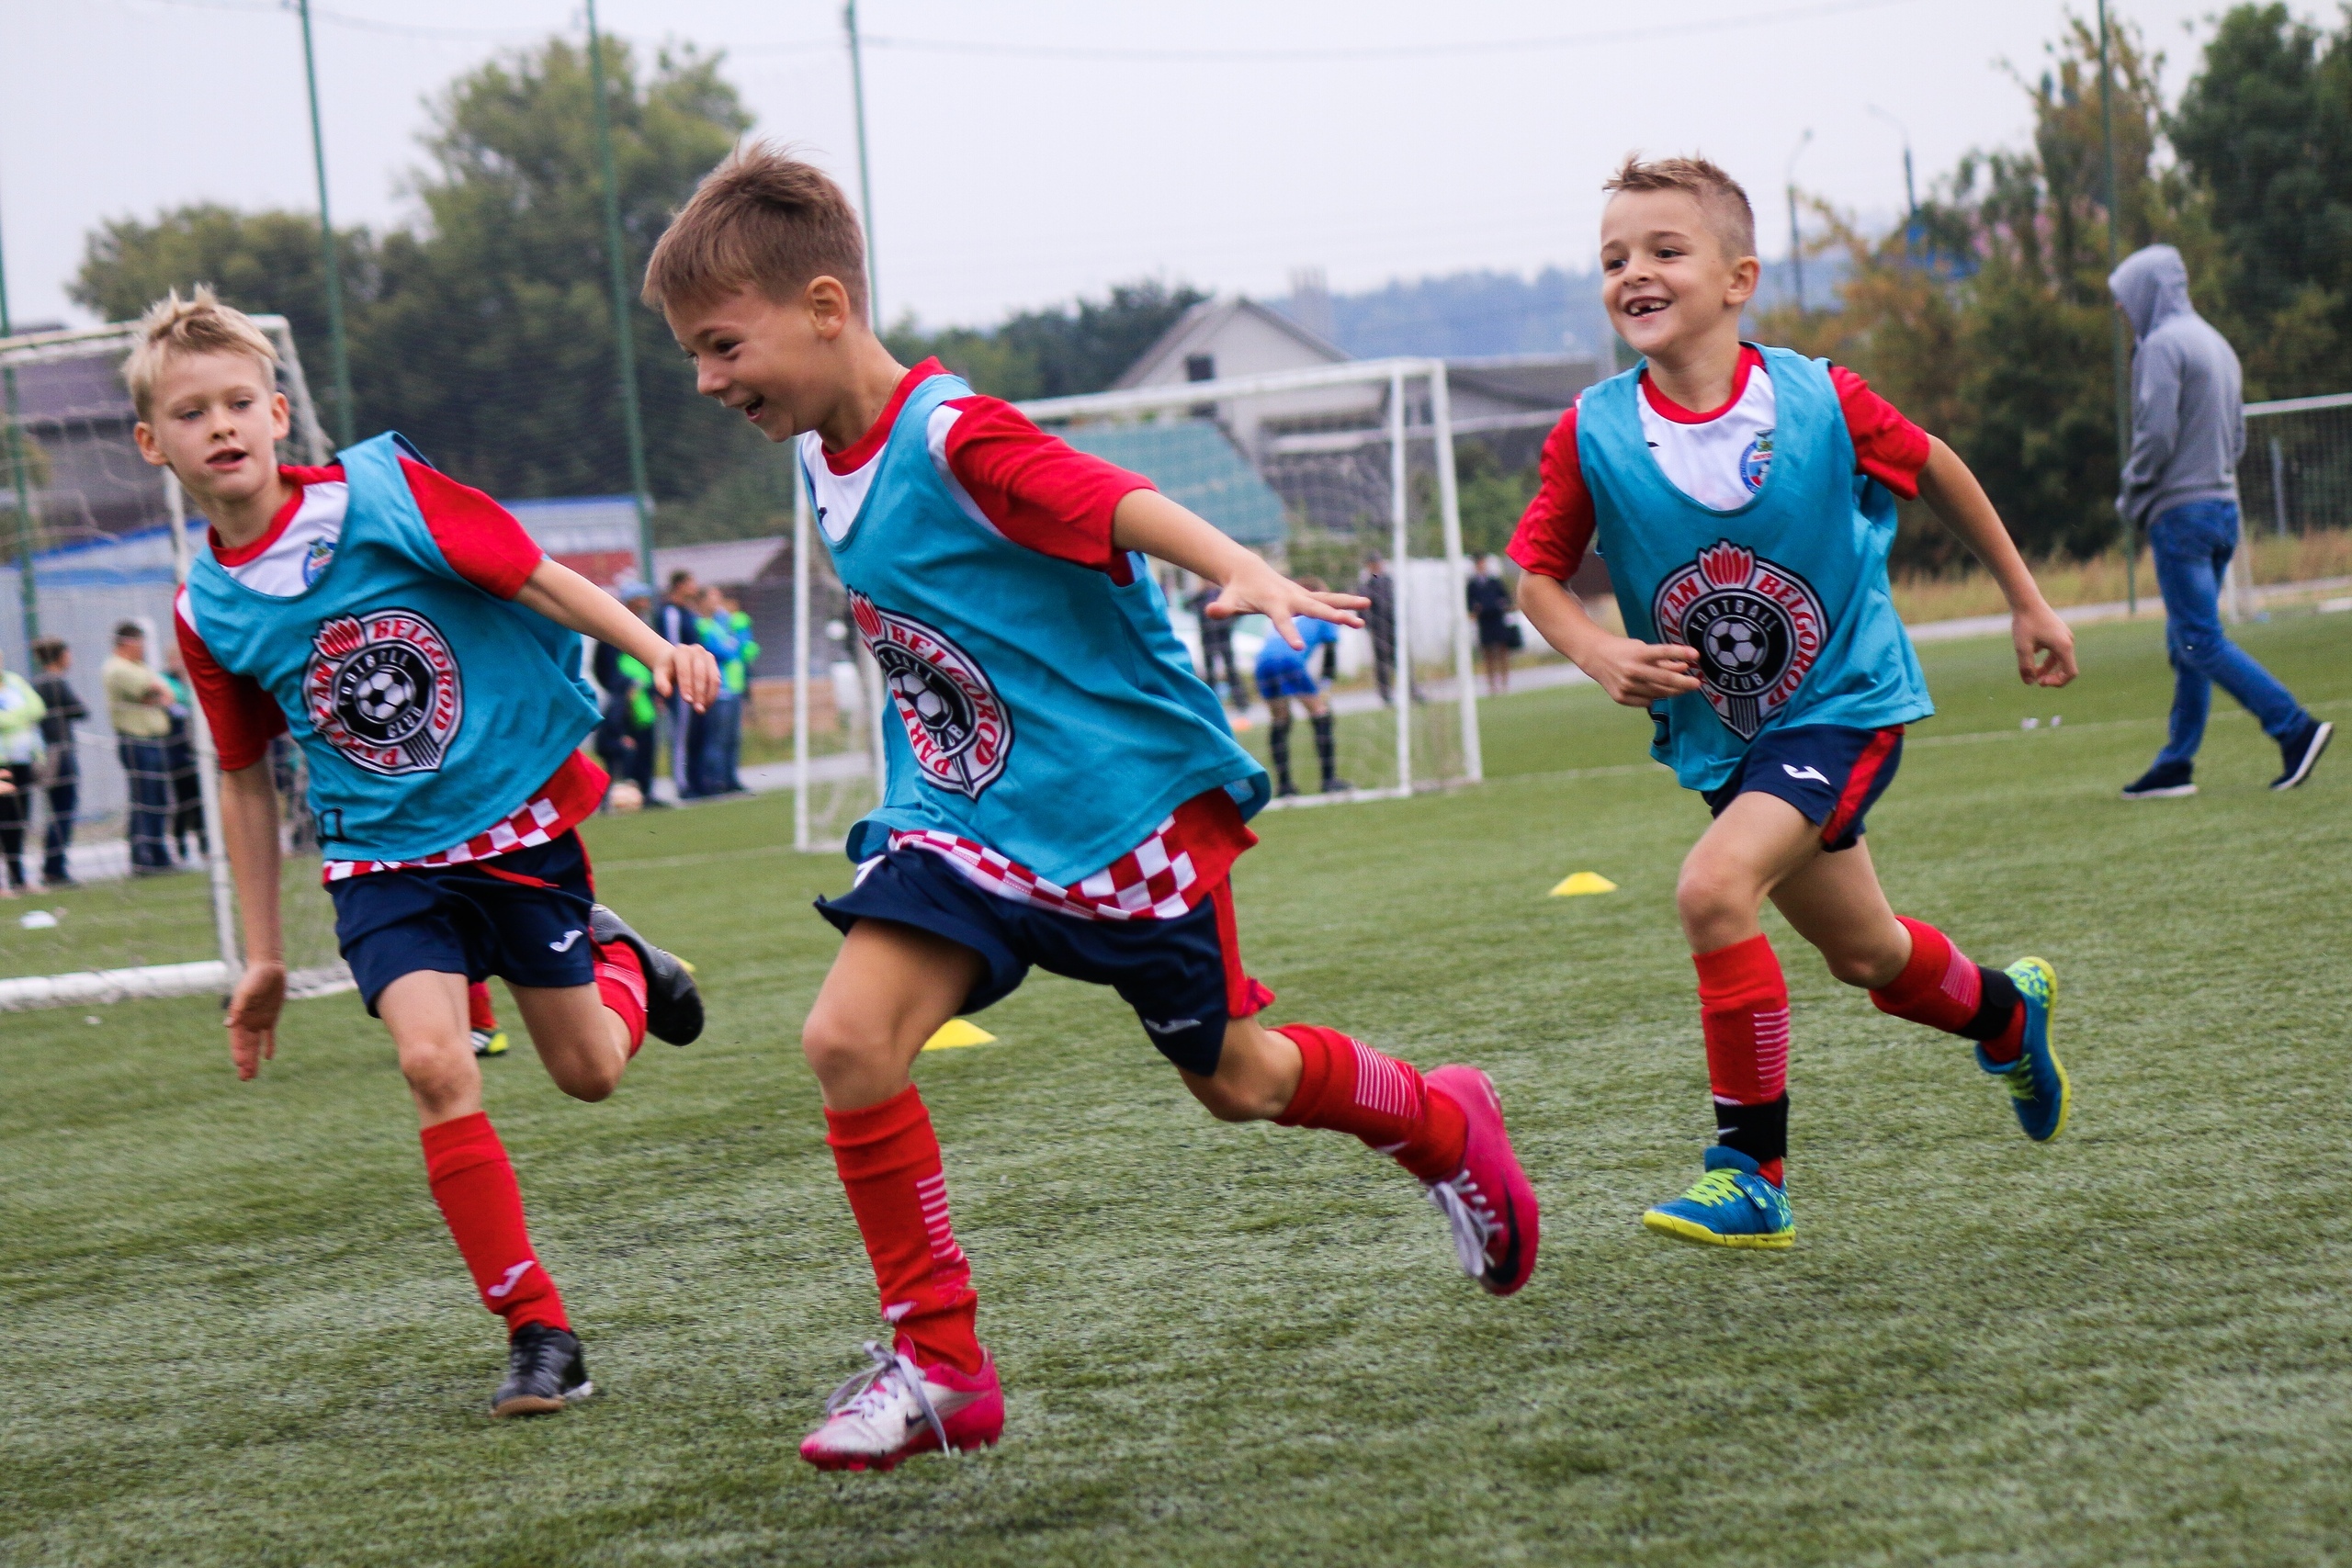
(2180, 484)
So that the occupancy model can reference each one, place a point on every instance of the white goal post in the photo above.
(111, 543)
(1316, 468)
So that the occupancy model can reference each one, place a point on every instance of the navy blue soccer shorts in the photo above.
(1831, 773)
(521, 916)
(1285, 681)
(1183, 976)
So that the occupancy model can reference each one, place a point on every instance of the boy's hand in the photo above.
(2045, 646)
(1638, 674)
(253, 1007)
(1256, 588)
(691, 671)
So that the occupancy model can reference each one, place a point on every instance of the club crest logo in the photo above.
(316, 560)
(1758, 629)
(1755, 462)
(382, 689)
(956, 725)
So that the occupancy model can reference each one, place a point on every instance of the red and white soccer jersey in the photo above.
(1718, 459)
(481, 542)
(1039, 491)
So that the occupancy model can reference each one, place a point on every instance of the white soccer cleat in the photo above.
(893, 1409)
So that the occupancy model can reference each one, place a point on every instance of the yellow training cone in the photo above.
(1584, 881)
(957, 1032)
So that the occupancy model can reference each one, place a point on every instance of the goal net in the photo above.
(1341, 475)
(111, 836)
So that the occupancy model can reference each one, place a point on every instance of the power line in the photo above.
(1374, 51)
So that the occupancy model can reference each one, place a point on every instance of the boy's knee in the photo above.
(440, 1073)
(591, 1083)
(835, 1043)
(1230, 1101)
(1709, 887)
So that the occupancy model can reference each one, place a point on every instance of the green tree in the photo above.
(492, 344)
(2266, 131)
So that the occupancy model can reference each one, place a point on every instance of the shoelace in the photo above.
(2019, 1079)
(869, 1392)
(1465, 1214)
(1715, 1189)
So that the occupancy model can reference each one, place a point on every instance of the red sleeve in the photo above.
(1887, 447)
(244, 717)
(1557, 529)
(1034, 489)
(479, 539)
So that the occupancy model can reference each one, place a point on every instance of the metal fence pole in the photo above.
(207, 764)
(2115, 333)
(338, 350)
(28, 590)
(1448, 503)
(2279, 486)
(632, 423)
(1400, 627)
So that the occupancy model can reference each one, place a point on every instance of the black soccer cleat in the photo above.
(545, 1371)
(673, 1002)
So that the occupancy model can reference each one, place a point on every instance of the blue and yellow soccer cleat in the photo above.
(1731, 1206)
(2038, 1090)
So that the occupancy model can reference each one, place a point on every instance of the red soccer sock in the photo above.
(1943, 989)
(479, 1013)
(888, 1160)
(1744, 1013)
(1348, 1087)
(620, 985)
(474, 1183)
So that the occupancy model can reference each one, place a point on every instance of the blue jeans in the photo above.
(147, 767)
(2193, 546)
(720, 745)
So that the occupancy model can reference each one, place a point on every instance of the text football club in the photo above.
(383, 690)
(956, 725)
(1758, 629)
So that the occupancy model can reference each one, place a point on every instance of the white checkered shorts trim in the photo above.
(1154, 881)
(534, 825)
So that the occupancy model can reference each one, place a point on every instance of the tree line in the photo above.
(483, 329)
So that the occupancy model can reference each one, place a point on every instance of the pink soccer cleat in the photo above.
(894, 1408)
(1488, 1203)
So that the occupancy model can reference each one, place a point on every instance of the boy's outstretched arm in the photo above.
(565, 597)
(249, 832)
(1634, 672)
(1149, 521)
(2045, 644)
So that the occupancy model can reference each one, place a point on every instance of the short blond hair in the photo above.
(175, 327)
(1730, 219)
(765, 220)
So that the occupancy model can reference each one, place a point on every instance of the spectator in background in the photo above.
(2180, 483)
(1284, 673)
(1497, 638)
(726, 630)
(187, 794)
(675, 622)
(1216, 645)
(625, 741)
(1380, 622)
(61, 771)
(139, 705)
(20, 746)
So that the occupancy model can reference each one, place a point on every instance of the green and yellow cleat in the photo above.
(1730, 1206)
(490, 1043)
(2039, 1088)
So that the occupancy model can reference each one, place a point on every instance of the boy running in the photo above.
(1744, 498)
(1062, 790)
(415, 642)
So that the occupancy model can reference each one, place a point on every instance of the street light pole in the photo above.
(1796, 250)
(865, 179)
(338, 350)
(28, 591)
(632, 423)
(1910, 190)
(2115, 326)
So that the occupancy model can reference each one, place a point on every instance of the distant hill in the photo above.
(1466, 314)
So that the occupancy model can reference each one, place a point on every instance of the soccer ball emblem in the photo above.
(1738, 644)
(382, 695)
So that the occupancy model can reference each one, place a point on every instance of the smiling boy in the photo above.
(1062, 791)
(1744, 498)
(423, 653)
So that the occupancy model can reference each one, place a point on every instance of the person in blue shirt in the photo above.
(1286, 673)
(726, 630)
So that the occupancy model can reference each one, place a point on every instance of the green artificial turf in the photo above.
(232, 1330)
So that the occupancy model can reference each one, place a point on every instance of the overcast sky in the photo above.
(1071, 143)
